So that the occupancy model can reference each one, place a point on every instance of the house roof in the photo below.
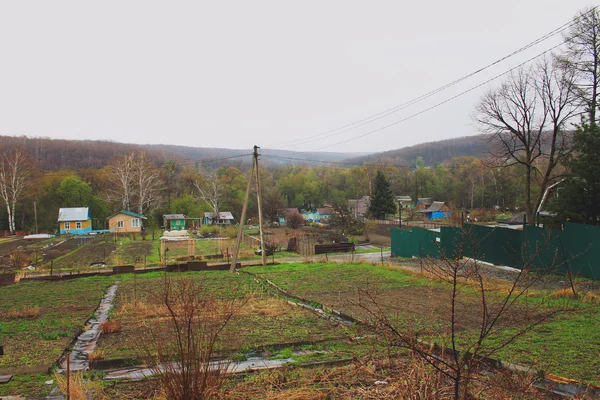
(435, 206)
(127, 212)
(324, 211)
(222, 215)
(404, 199)
(425, 200)
(173, 216)
(73, 214)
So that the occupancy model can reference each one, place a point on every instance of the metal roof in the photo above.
(222, 215)
(173, 216)
(73, 214)
(435, 206)
(127, 212)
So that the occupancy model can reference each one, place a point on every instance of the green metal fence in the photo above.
(575, 248)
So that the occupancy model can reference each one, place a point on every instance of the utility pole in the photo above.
(242, 220)
(263, 251)
(35, 215)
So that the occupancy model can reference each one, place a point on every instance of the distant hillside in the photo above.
(433, 152)
(54, 154)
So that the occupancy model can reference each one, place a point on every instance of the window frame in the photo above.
(120, 224)
(135, 222)
(67, 225)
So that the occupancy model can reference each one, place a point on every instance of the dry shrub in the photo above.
(27, 312)
(96, 355)
(265, 307)
(79, 388)
(110, 327)
(563, 294)
(588, 297)
(182, 348)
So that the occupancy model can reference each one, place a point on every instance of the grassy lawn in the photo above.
(39, 319)
(566, 345)
(263, 321)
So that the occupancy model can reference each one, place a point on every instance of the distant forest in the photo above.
(432, 153)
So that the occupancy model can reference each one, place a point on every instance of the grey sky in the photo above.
(238, 73)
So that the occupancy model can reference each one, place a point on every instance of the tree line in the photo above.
(542, 121)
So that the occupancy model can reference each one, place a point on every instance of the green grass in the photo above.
(32, 386)
(263, 321)
(567, 345)
(63, 309)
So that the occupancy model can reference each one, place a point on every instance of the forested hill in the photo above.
(433, 152)
(55, 154)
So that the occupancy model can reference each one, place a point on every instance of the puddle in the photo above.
(87, 341)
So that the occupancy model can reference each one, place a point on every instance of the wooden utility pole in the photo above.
(242, 220)
(35, 215)
(263, 251)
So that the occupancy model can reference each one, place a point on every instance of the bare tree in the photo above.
(582, 58)
(527, 116)
(15, 177)
(121, 181)
(134, 182)
(210, 189)
(146, 183)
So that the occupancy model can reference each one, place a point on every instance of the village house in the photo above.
(74, 220)
(423, 203)
(437, 210)
(359, 207)
(126, 221)
(174, 222)
(405, 201)
(224, 218)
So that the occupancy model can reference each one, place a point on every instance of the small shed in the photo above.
(437, 210)
(405, 201)
(323, 214)
(224, 217)
(74, 220)
(126, 221)
(174, 222)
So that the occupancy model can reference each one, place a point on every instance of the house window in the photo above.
(120, 224)
(135, 223)
(67, 225)
(78, 225)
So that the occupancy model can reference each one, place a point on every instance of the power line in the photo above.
(440, 103)
(385, 113)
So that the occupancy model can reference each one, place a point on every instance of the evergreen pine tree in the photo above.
(579, 197)
(383, 201)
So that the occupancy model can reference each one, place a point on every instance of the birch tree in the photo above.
(15, 174)
(146, 182)
(134, 182)
(121, 181)
(210, 190)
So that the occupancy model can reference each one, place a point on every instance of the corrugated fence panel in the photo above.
(496, 245)
(542, 248)
(576, 247)
(582, 249)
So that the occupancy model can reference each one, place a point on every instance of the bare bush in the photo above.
(184, 342)
(472, 296)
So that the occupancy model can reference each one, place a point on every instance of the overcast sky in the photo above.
(238, 73)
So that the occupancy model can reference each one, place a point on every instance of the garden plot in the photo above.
(38, 320)
(262, 321)
(567, 344)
